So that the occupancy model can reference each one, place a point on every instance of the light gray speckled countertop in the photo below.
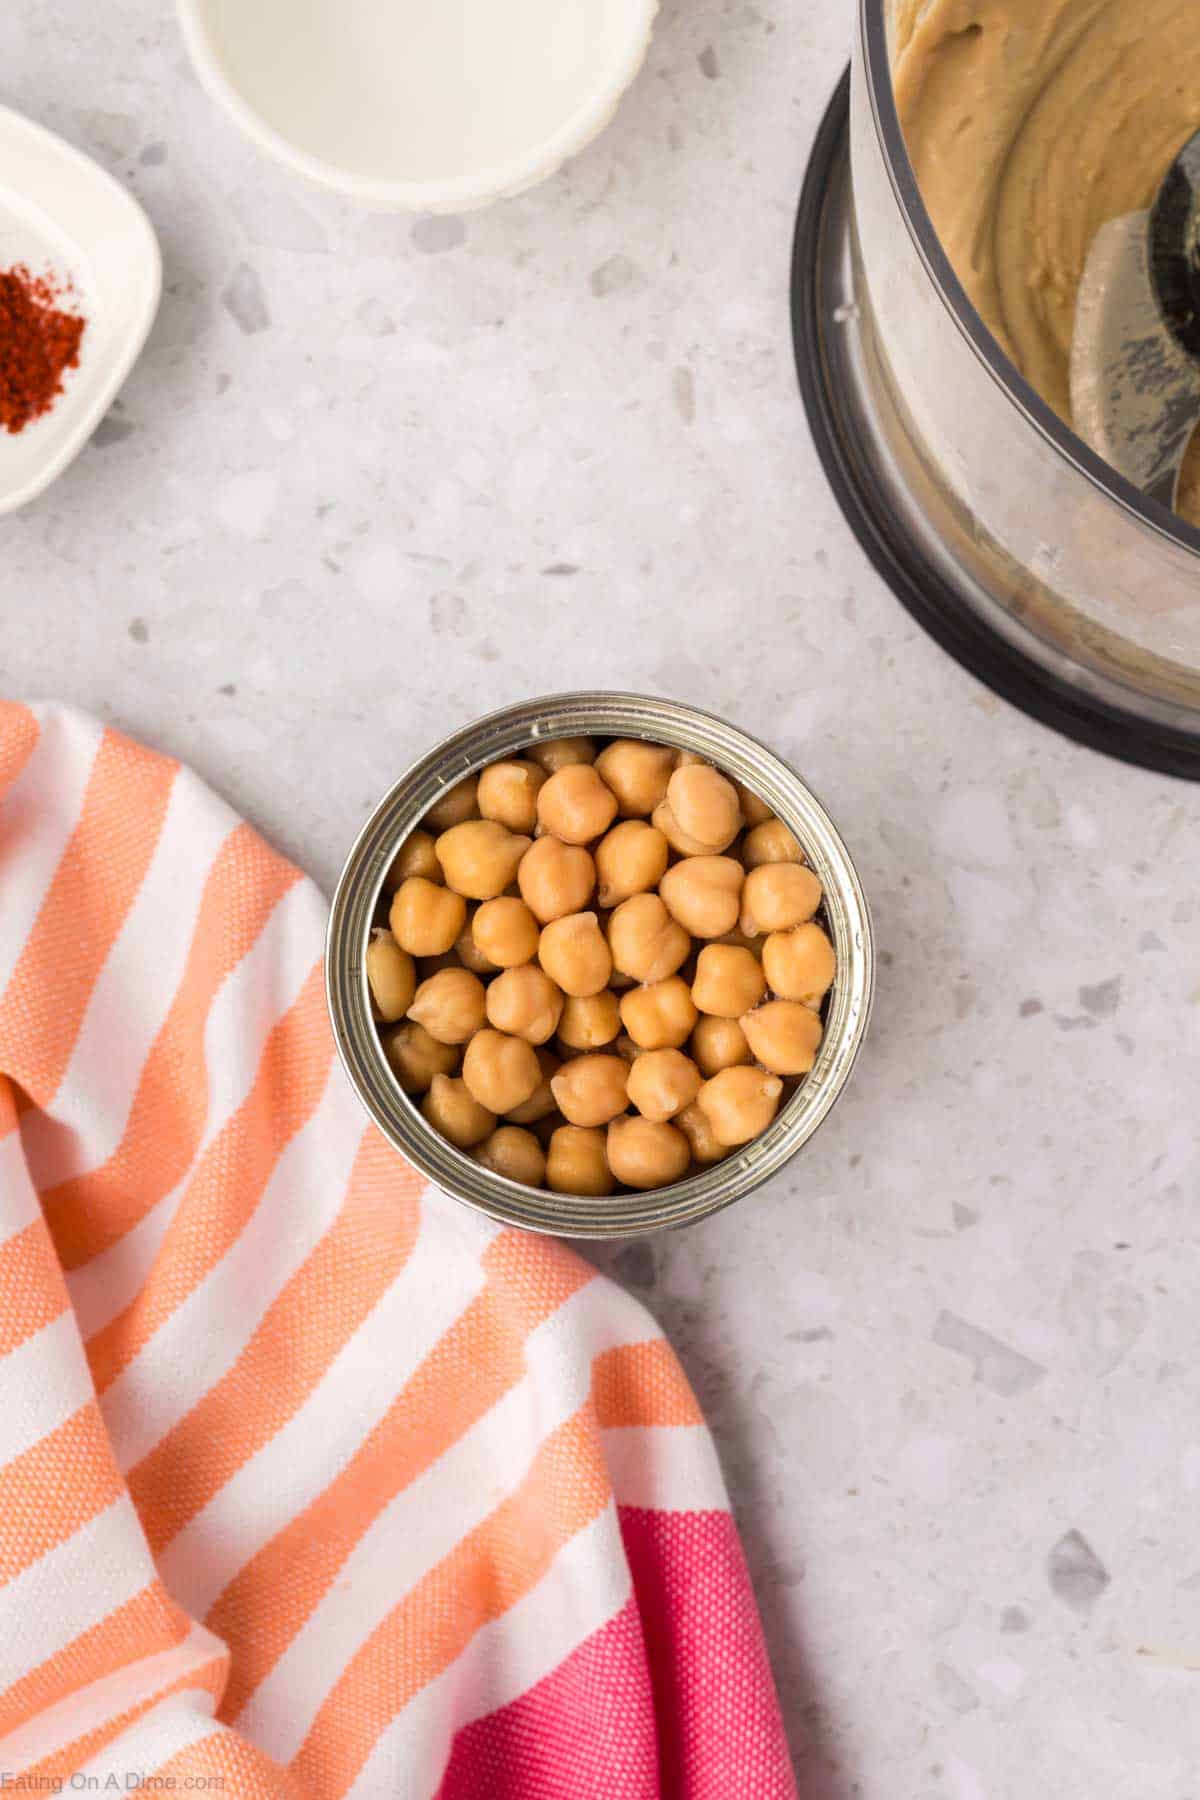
(373, 477)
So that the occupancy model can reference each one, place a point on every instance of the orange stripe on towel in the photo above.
(501, 1560)
(145, 1625)
(299, 1336)
(208, 1678)
(53, 1488)
(230, 1180)
(32, 1291)
(19, 733)
(166, 1121)
(643, 1384)
(95, 885)
(471, 1367)
(228, 1764)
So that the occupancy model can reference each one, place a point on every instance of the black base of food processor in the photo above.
(863, 479)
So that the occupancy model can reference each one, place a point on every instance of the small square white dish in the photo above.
(61, 212)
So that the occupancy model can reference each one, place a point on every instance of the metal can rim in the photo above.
(504, 733)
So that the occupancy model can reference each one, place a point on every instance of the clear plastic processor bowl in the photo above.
(1037, 565)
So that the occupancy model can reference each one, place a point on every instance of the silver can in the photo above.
(509, 732)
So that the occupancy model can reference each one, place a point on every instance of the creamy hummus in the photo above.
(1029, 123)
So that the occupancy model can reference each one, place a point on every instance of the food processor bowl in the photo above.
(1036, 564)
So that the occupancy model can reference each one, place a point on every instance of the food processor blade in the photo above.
(1135, 395)
(1135, 351)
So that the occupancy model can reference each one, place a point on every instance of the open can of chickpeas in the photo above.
(599, 964)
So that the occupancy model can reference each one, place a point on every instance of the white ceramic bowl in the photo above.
(60, 210)
(419, 105)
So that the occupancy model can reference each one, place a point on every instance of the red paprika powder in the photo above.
(39, 341)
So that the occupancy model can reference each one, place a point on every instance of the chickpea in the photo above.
(480, 858)
(770, 842)
(739, 1103)
(694, 1123)
(728, 982)
(450, 1005)
(505, 932)
(702, 892)
(800, 964)
(541, 1103)
(454, 1111)
(573, 953)
(662, 1082)
(508, 794)
(426, 919)
(644, 1153)
(454, 806)
(718, 1044)
(659, 1016)
(416, 1057)
(784, 1036)
(590, 1090)
(626, 1047)
(577, 1161)
(589, 1021)
(664, 820)
(416, 856)
(555, 879)
(525, 1003)
(391, 976)
(754, 810)
(575, 805)
(631, 859)
(701, 814)
(562, 753)
(513, 1153)
(646, 942)
(501, 1072)
(467, 950)
(776, 896)
(637, 773)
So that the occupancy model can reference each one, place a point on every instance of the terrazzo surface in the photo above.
(373, 477)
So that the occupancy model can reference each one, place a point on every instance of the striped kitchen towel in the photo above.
(311, 1481)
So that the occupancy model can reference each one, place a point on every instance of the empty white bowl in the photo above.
(421, 105)
(61, 211)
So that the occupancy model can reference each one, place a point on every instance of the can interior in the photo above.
(739, 1158)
